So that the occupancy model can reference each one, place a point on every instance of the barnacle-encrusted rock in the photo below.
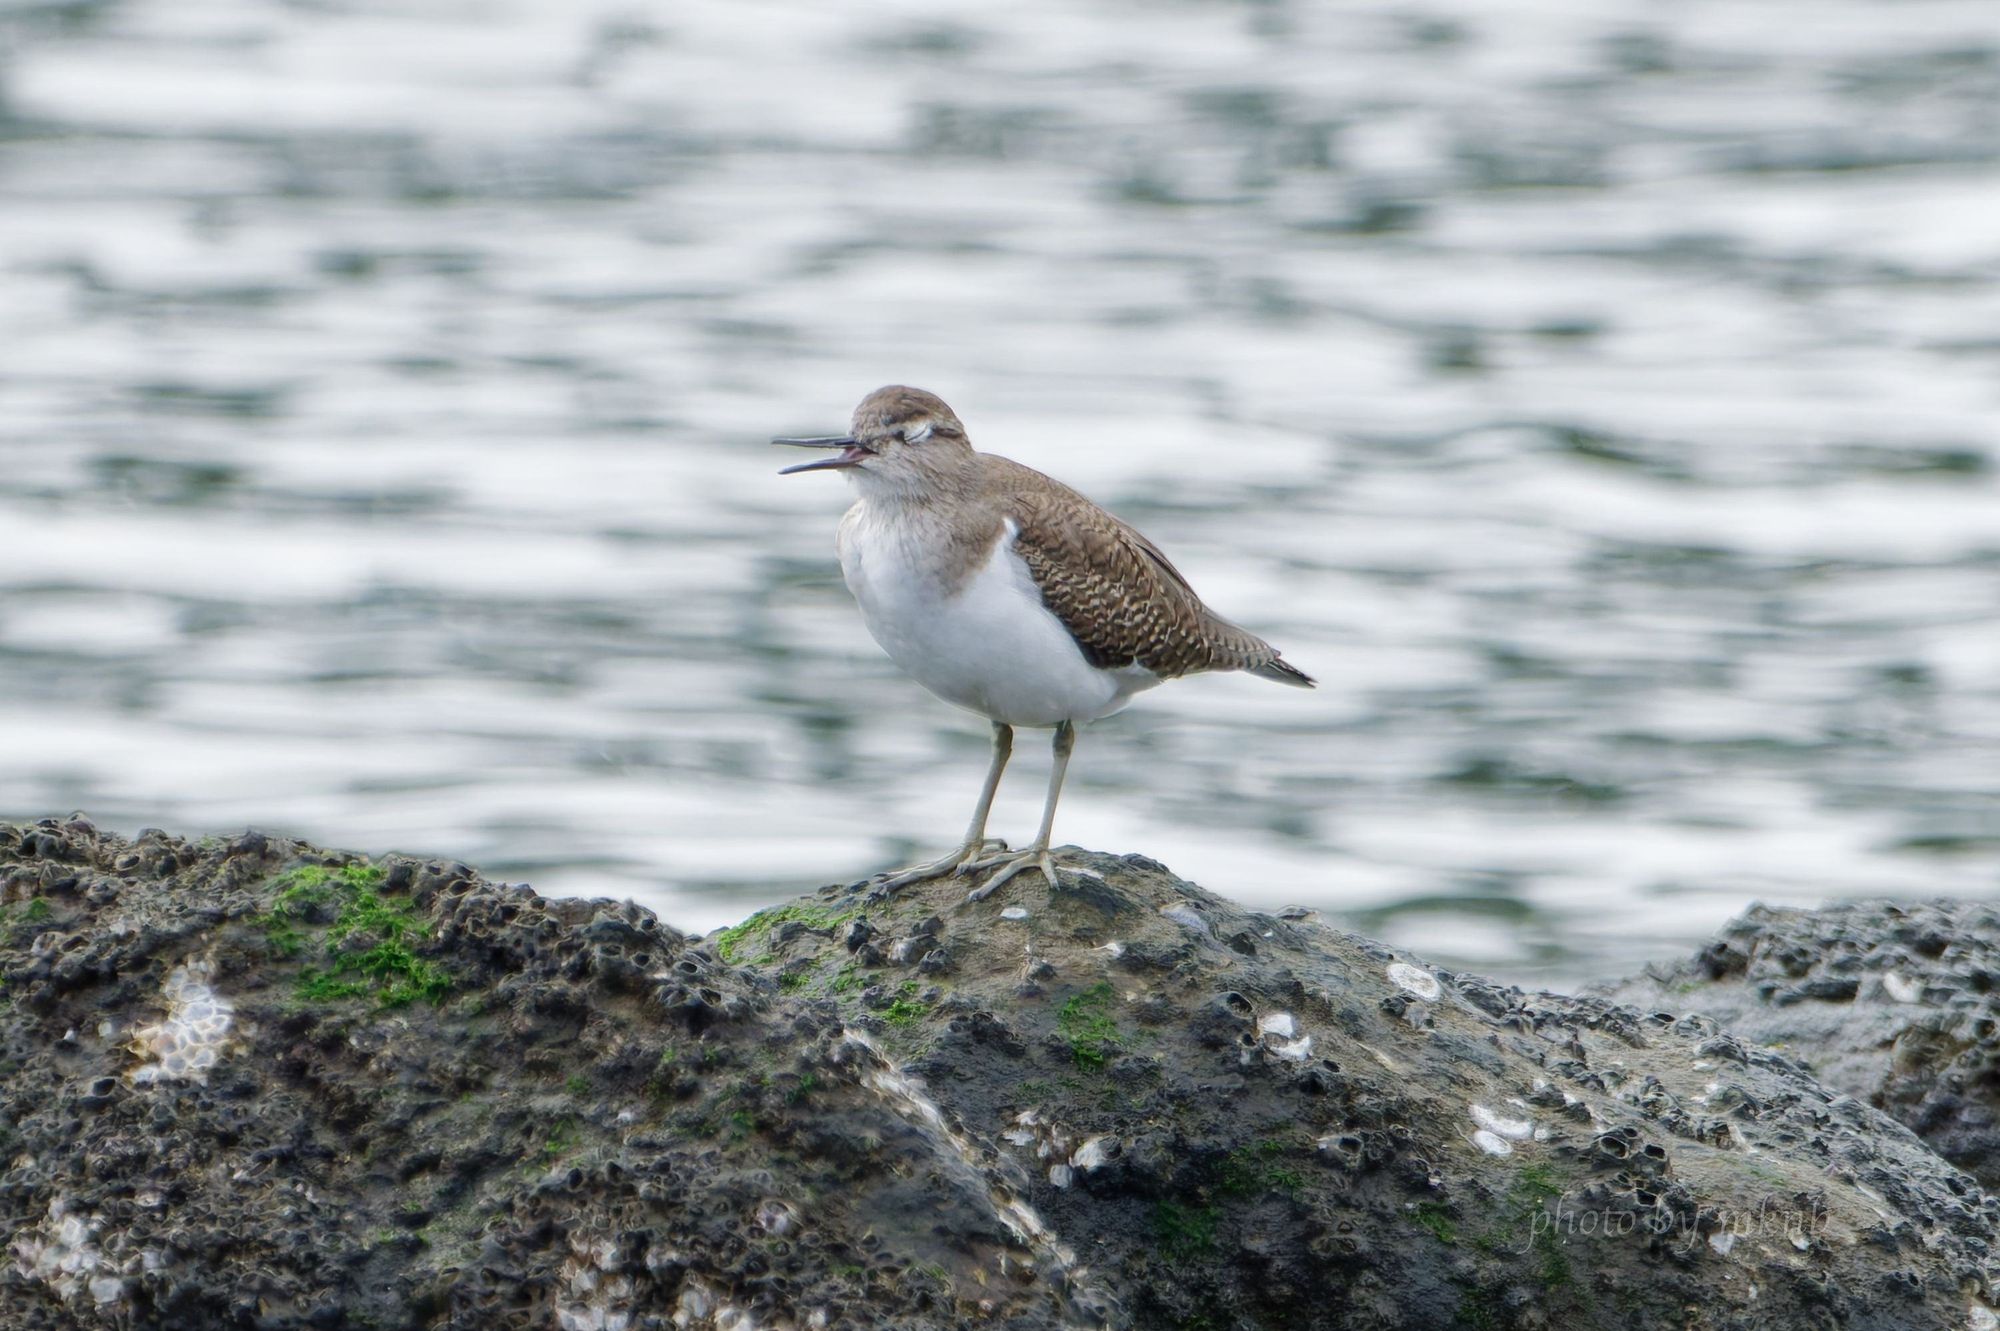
(259, 1084)
(1897, 1004)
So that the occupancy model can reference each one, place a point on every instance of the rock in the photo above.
(1894, 1004)
(260, 1084)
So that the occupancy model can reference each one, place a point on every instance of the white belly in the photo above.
(993, 647)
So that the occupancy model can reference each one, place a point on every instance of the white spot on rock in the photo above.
(1415, 980)
(1014, 913)
(777, 1217)
(1185, 916)
(1514, 1129)
(1060, 1175)
(62, 1253)
(701, 1308)
(188, 1041)
(1722, 1241)
(1279, 1030)
(596, 1294)
(1281, 1024)
(1295, 1051)
(1094, 1154)
(1902, 989)
(1491, 1144)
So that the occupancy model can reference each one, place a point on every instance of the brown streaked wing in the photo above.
(1121, 599)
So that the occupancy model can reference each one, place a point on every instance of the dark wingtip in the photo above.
(1284, 672)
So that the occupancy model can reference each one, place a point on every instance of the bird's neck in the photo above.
(946, 534)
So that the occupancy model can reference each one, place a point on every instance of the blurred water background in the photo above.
(1602, 400)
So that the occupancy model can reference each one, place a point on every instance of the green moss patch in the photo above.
(388, 970)
(1533, 1188)
(1250, 1170)
(906, 1009)
(1434, 1219)
(36, 911)
(1085, 1021)
(732, 944)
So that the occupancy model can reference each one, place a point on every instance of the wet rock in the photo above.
(256, 1083)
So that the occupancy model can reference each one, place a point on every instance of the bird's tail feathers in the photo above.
(1283, 672)
(1237, 648)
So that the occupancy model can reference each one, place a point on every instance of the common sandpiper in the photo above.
(1009, 594)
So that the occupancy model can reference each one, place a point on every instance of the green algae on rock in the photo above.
(1127, 1103)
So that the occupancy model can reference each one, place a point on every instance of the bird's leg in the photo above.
(975, 835)
(1037, 855)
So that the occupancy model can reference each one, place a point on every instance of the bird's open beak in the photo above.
(852, 452)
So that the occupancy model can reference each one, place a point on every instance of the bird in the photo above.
(1005, 592)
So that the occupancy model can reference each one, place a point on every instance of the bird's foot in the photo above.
(1009, 864)
(960, 860)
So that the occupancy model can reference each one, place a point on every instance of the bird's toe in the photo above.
(1007, 866)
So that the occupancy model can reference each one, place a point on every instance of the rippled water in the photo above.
(1604, 401)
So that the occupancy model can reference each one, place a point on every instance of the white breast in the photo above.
(992, 646)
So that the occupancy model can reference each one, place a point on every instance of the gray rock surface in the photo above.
(1893, 1003)
(259, 1084)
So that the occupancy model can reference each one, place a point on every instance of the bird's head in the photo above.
(901, 441)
